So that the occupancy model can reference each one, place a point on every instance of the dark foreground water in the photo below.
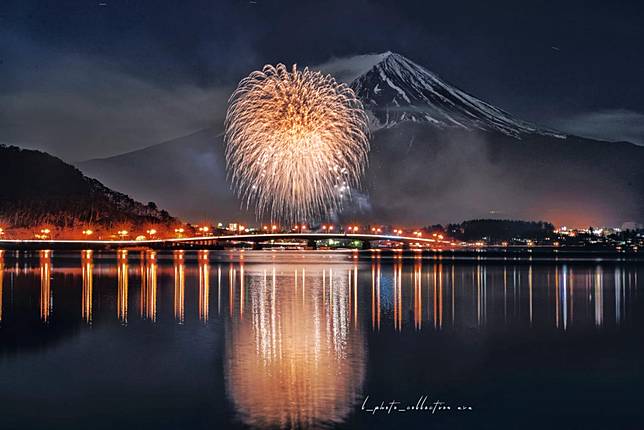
(318, 339)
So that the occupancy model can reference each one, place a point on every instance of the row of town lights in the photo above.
(204, 230)
(44, 233)
(122, 233)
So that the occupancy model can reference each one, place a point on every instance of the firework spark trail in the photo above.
(296, 142)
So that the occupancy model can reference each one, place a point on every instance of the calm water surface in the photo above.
(210, 340)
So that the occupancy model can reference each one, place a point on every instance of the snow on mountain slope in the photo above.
(394, 89)
(428, 161)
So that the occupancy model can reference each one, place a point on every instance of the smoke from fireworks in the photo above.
(296, 143)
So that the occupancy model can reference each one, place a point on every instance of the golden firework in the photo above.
(296, 143)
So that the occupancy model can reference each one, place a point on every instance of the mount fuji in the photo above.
(438, 155)
(394, 89)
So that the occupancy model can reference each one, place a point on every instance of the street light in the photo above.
(44, 233)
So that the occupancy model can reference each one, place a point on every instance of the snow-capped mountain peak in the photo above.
(394, 89)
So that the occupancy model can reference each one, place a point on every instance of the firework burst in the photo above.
(296, 143)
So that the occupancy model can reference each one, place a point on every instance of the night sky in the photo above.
(83, 79)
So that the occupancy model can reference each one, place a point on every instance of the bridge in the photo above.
(256, 241)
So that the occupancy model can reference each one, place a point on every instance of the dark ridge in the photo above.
(39, 189)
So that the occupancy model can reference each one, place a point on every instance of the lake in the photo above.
(318, 339)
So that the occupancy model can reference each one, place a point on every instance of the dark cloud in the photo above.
(611, 125)
(82, 80)
(79, 108)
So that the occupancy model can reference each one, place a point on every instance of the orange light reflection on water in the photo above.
(46, 299)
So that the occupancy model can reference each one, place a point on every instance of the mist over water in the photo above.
(421, 176)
